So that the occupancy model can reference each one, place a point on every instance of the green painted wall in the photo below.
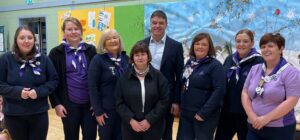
(129, 19)
(129, 22)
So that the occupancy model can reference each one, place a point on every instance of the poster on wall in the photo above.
(94, 22)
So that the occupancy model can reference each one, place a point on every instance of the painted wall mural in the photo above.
(223, 18)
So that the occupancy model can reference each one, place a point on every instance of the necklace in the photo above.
(140, 72)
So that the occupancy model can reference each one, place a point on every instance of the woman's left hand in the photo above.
(145, 125)
(260, 122)
(198, 118)
(32, 94)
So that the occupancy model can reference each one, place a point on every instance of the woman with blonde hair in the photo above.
(104, 71)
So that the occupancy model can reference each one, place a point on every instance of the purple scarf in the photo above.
(117, 63)
(238, 61)
(81, 48)
(33, 63)
(273, 75)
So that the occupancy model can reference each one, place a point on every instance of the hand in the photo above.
(24, 93)
(175, 109)
(145, 125)
(252, 118)
(260, 122)
(198, 118)
(32, 94)
(135, 125)
(101, 119)
(61, 111)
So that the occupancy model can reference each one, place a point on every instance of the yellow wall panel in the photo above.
(94, 22)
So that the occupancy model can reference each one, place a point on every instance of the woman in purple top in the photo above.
(71, 99)
(270, 93)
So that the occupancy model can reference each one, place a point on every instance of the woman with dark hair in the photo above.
(237, 66)
(271, 92)
(203, 90)
(104, 71)
(27, 78)
(142, 97)
(71, 99)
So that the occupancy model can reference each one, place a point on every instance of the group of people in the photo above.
(136, 97)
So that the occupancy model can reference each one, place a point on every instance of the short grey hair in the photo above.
(104, 37)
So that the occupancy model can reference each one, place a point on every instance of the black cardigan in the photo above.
(58, 57)
(129, 98)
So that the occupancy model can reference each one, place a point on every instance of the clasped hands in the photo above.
(141, 126)
(28, 93)
(258, 122)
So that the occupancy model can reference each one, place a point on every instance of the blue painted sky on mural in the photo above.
(223, 18)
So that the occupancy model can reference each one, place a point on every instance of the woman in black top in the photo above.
(27, 78)
(237, 66)
(142, 97)
(203, 91)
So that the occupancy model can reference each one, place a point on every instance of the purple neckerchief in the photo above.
(117, 63)
(281, 63)
(81, 48)
(33, 63)
(278, 68)
(238, 61)
(190, 66)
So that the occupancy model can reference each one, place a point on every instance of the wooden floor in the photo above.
(55, 131)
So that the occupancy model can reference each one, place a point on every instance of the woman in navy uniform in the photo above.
(104, 71)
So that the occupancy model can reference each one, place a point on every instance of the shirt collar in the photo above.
(163, 40)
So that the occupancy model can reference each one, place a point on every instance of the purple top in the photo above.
(76, 72)
(286, 84)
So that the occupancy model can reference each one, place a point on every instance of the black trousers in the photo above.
(155, 132)
(167, 135)
(231, 123)
(80, 116)
(28, 127)
(272, 133)
(112, 128)
(191, 129)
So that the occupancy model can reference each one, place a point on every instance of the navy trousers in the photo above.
(191, 129)
(167, 135)
(28, 127)
(112, 128)
(231, 123)
(272, 133)
(80, 116)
